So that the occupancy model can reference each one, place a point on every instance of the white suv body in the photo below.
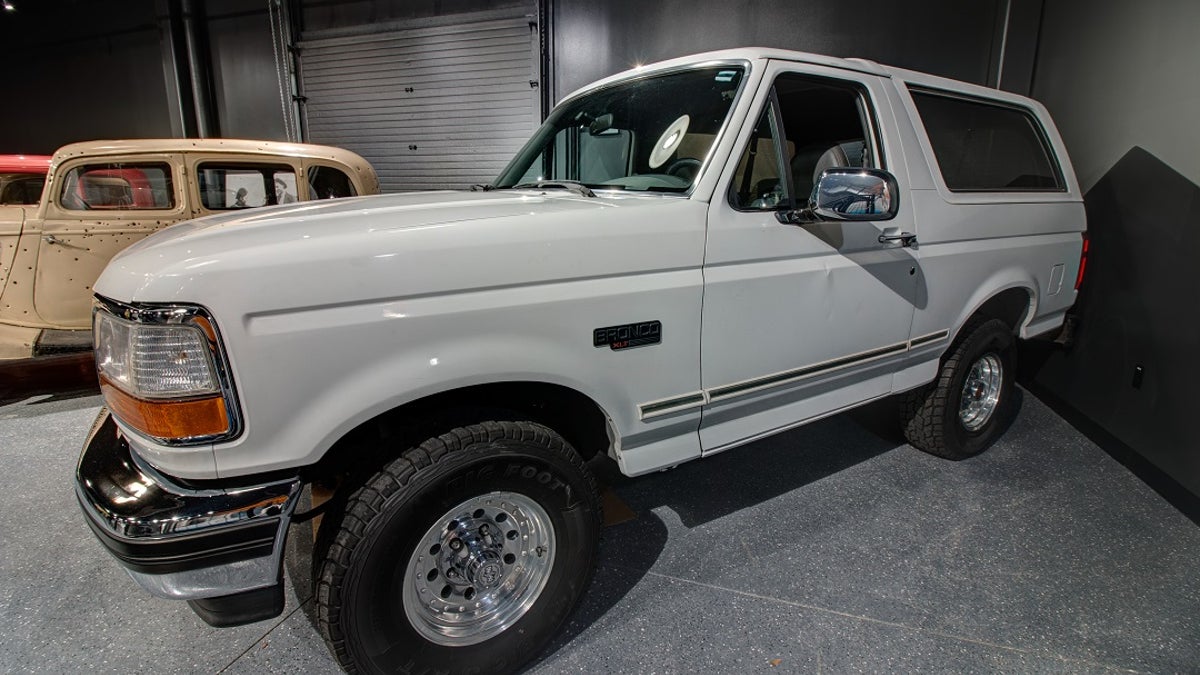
(749, 316)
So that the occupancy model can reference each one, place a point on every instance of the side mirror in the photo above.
(849, 194)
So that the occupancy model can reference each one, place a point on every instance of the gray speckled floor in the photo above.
(825, 549)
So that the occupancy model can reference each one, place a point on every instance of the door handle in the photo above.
(51, 239)
(894, 234)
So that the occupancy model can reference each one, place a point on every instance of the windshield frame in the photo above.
(747, 70)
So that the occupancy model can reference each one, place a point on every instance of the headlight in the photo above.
(162, 372)
(153, 362)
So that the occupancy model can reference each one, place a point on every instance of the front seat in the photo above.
(808, 164)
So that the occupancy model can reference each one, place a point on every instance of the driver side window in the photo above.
(811, 124)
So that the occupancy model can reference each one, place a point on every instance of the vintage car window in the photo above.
(987, 147)
(326, 182)
(652, 133)
(226, 186)
(126, 186)
(21, 188)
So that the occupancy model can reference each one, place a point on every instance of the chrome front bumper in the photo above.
(215, 546)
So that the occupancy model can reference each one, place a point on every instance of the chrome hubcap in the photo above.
(479, 568)
(981, 392)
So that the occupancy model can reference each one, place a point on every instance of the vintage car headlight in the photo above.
(162, 372)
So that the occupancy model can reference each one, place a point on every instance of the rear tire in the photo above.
(465, 554)
(962, 412)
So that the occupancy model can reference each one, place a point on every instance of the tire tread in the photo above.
(367, 502)
(923, 411)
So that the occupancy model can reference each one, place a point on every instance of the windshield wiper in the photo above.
(485, 188)
(574, 186)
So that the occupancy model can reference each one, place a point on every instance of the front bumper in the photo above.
(221, 549)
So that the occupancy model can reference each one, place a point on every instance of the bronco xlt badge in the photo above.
(628, 336)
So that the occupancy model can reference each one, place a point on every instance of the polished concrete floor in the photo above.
(830, 548)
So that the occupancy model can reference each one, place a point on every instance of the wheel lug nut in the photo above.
(455, 544)
(483, 530)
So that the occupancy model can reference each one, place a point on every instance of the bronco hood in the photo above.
(360, 248)
(340, 217)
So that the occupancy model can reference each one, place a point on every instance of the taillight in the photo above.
(1082, 262)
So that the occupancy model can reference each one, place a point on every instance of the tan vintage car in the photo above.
(102, 196)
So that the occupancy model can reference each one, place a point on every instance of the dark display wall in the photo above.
(80, 71)
(246, 94)
(319, 15)
(1120, 79)
(978, 41)
(106, 69)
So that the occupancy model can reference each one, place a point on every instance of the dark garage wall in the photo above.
(80, 71)
(331, 14)
(1120, 79)
(77, 70)
(957, 39)
(245, 87)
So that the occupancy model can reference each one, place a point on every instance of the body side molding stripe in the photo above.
(932, 337)
(674, 404)
(724, 392)
(778, 379)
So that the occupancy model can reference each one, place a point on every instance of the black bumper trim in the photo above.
(240, 608)
(189, 552)
(153, 525)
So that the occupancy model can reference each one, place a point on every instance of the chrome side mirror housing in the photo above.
(849, 194)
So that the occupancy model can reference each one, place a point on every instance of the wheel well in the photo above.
(573, 415)
(1009, 306)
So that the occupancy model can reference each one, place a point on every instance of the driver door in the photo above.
(801, 320)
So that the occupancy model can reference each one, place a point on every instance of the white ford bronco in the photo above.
(684, 258)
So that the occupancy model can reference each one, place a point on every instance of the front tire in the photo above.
(465, 554)
(963, 411)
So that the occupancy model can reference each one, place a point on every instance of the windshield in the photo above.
(652, 133)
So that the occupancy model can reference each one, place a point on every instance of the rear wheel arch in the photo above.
(1014, 305)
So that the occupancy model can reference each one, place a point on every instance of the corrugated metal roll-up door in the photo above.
(433, 104)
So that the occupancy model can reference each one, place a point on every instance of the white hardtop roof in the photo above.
(852, 64)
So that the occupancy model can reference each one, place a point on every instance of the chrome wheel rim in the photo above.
(479, 569)
(981, 392)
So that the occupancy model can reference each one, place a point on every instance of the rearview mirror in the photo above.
(601, 124)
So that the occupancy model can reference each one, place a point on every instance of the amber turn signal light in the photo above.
(171, 420)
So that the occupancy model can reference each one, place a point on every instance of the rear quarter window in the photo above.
(241, 185)
(983, 146)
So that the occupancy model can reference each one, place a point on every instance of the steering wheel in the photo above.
(684, 168)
